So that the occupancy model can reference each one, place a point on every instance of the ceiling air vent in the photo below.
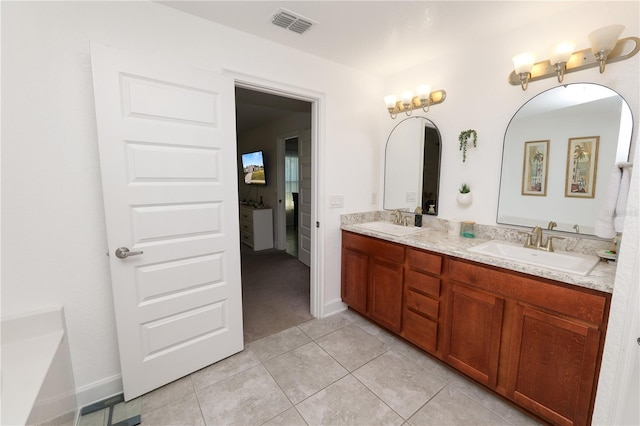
(289, 20)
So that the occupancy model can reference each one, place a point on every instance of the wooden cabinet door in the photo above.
(473, 332)
(385, 293)
(553, 366)
(355, 273)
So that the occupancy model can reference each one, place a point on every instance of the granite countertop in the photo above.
(437, 240)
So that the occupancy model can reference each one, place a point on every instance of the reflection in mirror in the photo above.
(412, 166)
(536, 187)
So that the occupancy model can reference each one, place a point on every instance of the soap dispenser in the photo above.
(418, 217)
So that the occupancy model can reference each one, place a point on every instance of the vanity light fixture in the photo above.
(605, 48)
(523, 64)
(603, 41)
(424, 98)
(560, 56)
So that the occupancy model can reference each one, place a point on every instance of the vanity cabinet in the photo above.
(422, 311)
(372, 272)
(537, 342)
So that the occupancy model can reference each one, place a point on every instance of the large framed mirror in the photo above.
(559, 152)
(412, 166)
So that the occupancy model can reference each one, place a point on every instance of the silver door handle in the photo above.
(123, 252)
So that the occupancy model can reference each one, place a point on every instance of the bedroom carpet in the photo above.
(275, 292)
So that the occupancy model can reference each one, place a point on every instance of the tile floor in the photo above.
(340, 370)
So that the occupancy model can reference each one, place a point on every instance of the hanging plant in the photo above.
(464, 139)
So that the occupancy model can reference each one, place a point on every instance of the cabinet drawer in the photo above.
(424, 262)
(419, 330)
(422, 304)
(246, 226)
(423, 283)
(374, 247)
(246, 215)
(246, 238)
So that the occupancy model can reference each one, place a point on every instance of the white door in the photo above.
(304, 198)
(168, 156)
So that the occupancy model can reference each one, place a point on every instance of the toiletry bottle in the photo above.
(418, 217)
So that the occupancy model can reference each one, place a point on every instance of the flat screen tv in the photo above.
(253, 168)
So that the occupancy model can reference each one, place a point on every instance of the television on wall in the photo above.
(253, 168)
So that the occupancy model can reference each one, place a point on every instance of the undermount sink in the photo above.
(390, 228)
(572, 263)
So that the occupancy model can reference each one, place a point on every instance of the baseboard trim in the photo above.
(333, 307)
(98, 391)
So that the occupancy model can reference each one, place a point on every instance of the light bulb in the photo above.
(390, 101)
(562, 53)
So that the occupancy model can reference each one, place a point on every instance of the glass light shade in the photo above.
(407, 97)
(423, 92)
(562, 52)
(523, 63)
(390, 101)
(605, 38)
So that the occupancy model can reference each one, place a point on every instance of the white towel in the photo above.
(605, 222)
(623, 195)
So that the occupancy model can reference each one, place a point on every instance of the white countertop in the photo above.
(601, 277)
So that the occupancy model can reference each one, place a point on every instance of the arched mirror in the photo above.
(412, 166)
(559, 152)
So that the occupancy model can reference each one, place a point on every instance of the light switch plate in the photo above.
(336, 201)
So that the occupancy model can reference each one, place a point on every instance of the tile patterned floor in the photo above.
(341, 370)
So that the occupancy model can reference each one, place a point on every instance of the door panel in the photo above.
(553, 365)
(168, 153)
(305, 199)
(474, 324)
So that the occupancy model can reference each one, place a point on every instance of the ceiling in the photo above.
(376, 37)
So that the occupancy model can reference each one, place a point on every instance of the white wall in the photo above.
(479, 97)
(53, 240)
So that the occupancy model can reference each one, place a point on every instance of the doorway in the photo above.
(276, 285)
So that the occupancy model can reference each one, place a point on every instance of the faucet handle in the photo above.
(552, 225)
(528, 242)
(549, 246)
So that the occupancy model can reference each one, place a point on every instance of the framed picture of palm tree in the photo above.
(582, 166)
(535, 168)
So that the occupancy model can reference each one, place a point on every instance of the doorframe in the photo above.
(281, 213)
(317, 101)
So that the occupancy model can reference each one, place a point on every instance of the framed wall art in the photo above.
(535, 168)
(582, 166)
